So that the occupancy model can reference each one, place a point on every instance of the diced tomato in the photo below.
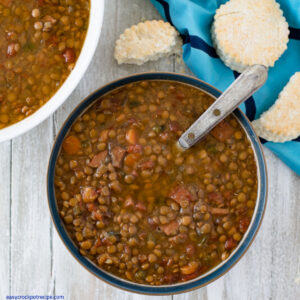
(181, 195)
(11, 35)
(241, 211)
(223, 131)
(171, 278)
(189, 276)
(152, 224)
(132, 136)
(190, 249)
(71, 145)
(244, 224)
(174, 126)
(230, 244)
(90, 207)
(228, 195)
(135, 148)
(97, 215)
(11, 49)
(98, 243)
(164, 136)
(98, 159)
(52, 41)
(171, 228)
(69, 55)
(140, 206)
(117, 155)
(180, 95)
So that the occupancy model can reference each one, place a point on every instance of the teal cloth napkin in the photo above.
(193, 19)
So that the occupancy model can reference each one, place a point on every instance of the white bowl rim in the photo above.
(62, 94)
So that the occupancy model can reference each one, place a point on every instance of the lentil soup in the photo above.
(40, 41)
(139, 207)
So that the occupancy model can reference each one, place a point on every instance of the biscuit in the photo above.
(281, 122)
(147, 41)
(248, 32)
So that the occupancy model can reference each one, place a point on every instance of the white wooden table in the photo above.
(34, 261)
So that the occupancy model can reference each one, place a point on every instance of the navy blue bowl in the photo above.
(179, 287)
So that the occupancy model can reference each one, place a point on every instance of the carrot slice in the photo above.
(71, 145)
(132, 136)
(131, 159)
(190, 268)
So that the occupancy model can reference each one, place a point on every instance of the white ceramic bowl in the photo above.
(86, 55)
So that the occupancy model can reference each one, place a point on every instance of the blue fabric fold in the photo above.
(193, 19)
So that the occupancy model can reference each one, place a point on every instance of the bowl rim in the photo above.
(65, 90)
(211, 275)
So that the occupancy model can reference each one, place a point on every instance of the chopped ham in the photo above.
(218, 211)
(88, 194)
(181, 195)
(171, 228)
(98, 159)
(135, 148)
(223, 131)
(215, 197)
(179, 238)
(149, 164)
(117, 156)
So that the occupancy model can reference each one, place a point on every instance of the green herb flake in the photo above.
(29, 47)
(134, 103)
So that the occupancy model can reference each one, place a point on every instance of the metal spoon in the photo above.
(239, 91)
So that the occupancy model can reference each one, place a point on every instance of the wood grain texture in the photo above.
(33, 259)
(5, 191)
(30, 221)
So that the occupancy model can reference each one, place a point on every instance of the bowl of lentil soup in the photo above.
(46, 47)
(138, 212)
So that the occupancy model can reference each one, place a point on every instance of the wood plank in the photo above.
(5, 153)
(118, 16)
(30, 226)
